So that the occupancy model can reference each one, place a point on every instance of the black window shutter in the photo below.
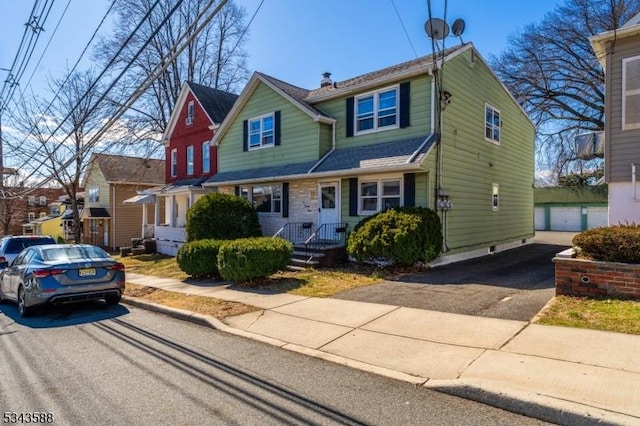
(405, 89)
(353, 197)
(350, 112)
(285, 199)
(276, 128)
(409, 189)
(245, 135)
(237, 189)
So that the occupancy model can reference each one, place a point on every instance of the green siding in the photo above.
(300, 135)
(472, 164)
(420, 107)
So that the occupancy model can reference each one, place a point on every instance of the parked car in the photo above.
(11, 245)
(61, 273)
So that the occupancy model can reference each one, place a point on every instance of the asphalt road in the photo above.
(515, 284)
(97, 365)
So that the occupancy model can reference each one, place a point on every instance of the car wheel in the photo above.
(23, 309)
(112, 299)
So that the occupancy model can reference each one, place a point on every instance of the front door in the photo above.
(329, 203)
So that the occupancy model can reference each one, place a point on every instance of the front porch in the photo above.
(320, 246)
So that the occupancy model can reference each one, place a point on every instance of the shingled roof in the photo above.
(120, 168)
(216, 103)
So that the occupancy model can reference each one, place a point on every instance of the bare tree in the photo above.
(553, 72)
(58, 137)
(9, 204)
(214, 57)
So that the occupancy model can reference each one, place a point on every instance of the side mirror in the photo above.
(4, 264)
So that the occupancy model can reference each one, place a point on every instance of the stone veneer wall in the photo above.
(582, 277)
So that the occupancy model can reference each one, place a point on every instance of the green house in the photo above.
(316, 162)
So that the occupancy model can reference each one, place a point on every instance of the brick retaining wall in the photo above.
(581, 277)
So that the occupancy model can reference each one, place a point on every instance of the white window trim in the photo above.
(495, 192)
(484, 127)
(174, 162)
(93, 194)
(190, 113)
(379, 197)
(273, 137)
(206, 159)
(190, 162)
(376, 94)
(625, 93)
(250, 197)
(31, 200)
(43, 200)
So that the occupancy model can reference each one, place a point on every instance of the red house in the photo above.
(190, 160)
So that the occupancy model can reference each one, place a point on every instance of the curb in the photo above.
(539, 406)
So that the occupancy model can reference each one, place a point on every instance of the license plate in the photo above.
(87, 272)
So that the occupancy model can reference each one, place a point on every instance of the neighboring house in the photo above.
(316, 162)
(50, 224)
(619, 54)
(109, 180)
(28, 208)
(572, 209)
(190, 160)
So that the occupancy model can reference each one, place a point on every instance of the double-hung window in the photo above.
(261, 132)
(378, 195)
(174, 162)
(190, 160)
(377, 110)
(491, 124)
(495, 197)
(631, 93)
(190, 113)
(94, 195)
(31, 200)
(267, 198)
(206, 157)
(43, 200)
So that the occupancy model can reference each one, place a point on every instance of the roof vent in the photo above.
(326, 80)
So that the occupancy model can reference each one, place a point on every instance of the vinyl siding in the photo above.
(300, 136)
(471, 164)
(420, 116)
(622, 147)
(126, 219)
(95, 178)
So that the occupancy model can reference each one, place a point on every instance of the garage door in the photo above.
(597, 217)
(539, 221)
(565, 219)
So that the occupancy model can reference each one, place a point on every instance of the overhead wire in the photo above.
(176, 48)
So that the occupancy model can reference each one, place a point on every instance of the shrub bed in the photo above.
(199, 258)
(620, 243)
(246, 259)
(402, 236)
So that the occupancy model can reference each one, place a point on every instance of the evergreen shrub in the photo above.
(619, 243)
(199, 258)
(246, 259)
(222, 217)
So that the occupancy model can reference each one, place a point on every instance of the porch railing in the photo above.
(296, 232)
(328, 234)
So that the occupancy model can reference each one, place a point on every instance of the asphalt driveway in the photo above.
(513, 284)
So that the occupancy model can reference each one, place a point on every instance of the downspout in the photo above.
(633, 182)
(112, 228)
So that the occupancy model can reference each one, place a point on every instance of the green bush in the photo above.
(60, 240)
(620, 243)
(222, 217)
(199, 258)
(248, 258)
(402, 236)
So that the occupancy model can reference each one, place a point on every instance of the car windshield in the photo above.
(16, 245)
(72, 253)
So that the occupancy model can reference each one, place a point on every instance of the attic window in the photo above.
(261, 132)
(492, 124)
(190, 113)
(631, 93)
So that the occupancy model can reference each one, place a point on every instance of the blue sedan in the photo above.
(61, 273)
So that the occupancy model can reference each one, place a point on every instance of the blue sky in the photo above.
(294, 40)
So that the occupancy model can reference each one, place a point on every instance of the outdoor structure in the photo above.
(190, 161)
(571, 209)
(109, 180)
(316, 162)
(619, 54)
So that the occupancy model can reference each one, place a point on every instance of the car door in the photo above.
(13, 274)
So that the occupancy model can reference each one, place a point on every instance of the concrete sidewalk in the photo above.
(561, 375)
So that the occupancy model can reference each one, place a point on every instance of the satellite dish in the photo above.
(436, 28)
(458, 27)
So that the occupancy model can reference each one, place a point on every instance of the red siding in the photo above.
(184, 135)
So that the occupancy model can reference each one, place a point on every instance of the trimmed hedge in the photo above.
(619, 243)
(403, 236)
(199, 258)
(222, 217)
(248, 258)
